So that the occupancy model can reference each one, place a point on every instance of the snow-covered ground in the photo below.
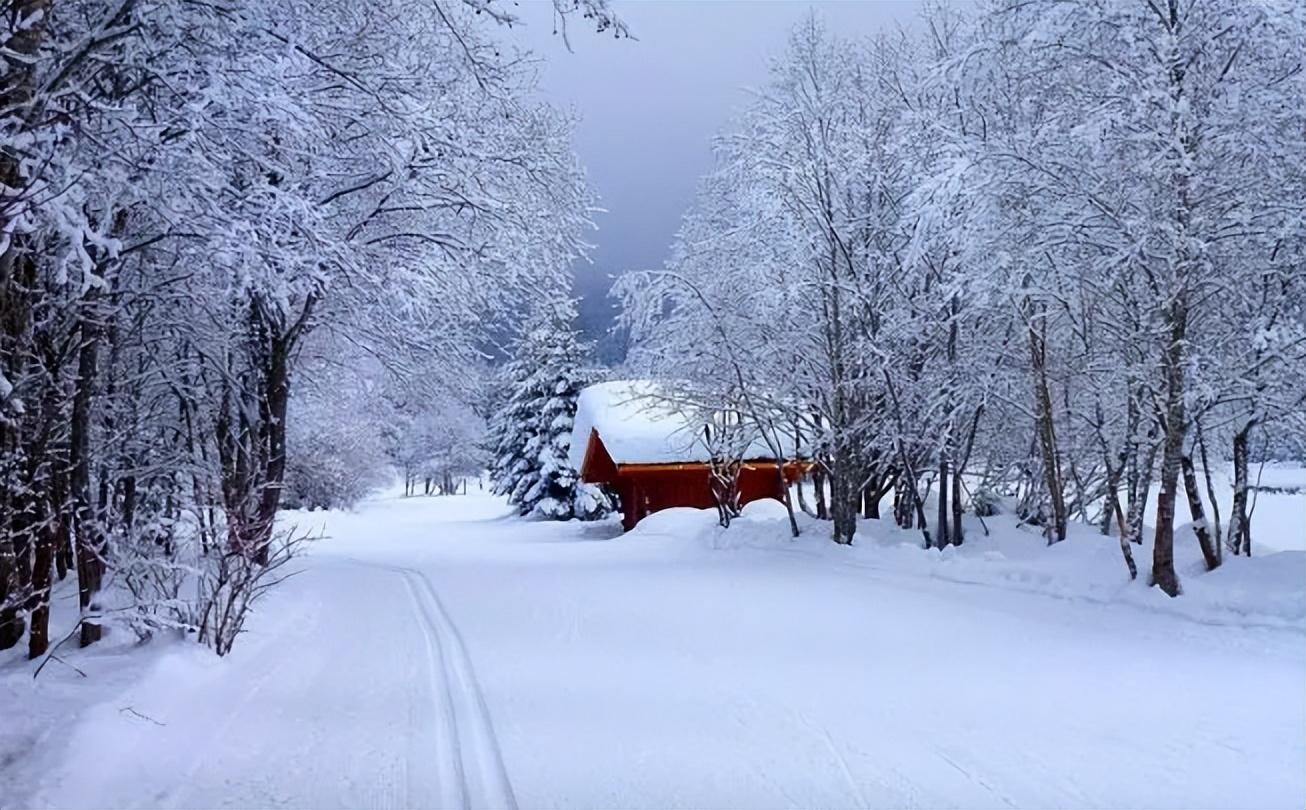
(437, 652)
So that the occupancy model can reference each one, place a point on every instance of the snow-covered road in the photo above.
(437, 653)
(354, 691)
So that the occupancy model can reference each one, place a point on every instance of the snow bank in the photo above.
(763, 510)
(72, 696)
(1266, 591)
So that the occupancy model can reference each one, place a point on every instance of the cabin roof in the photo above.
(637, 426)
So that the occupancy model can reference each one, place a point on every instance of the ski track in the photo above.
(475, 777)
(277, 726)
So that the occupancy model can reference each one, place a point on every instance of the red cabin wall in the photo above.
(649, 488)
(648, 491)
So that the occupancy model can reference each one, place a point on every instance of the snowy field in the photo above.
(436, 652)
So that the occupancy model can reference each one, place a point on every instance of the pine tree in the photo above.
(531, 434)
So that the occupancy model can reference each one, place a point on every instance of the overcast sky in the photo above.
(649, 107)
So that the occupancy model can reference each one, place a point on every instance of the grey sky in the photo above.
(650, 107)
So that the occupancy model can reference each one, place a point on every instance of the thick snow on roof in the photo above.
(638, 427)
(634, 424)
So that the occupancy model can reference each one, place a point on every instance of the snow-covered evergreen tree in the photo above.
(531, 433)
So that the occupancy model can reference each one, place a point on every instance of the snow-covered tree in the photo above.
(191, 196)
(531, 429)
(1054, 246)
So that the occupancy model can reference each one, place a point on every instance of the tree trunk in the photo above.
(1125, 550)
(1175, 313)
(724, 479)
(844, 497)
(1163, 573)
(38, 637)
(1140, 463)
(12, 624)
(1210, 550)
(276, 398)
(877, 486)
(1240, 533)
(17, 278)
(818, 485)
(787, 500)
(1112, 509)
(1046, 432)
(1210, 494)
(802, 499)
(1140, 490)
(902, 503)
(90, 546)
(942, 532)
(27, 21)
(63, 560)
(957, 534)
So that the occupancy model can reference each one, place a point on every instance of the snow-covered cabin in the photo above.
(626, 437)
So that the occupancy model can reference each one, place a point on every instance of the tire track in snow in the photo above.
(471, 770)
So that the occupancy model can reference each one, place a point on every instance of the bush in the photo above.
(985, 502)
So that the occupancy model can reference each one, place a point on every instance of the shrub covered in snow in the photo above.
(985, 502)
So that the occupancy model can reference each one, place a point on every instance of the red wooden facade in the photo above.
(645, 488)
